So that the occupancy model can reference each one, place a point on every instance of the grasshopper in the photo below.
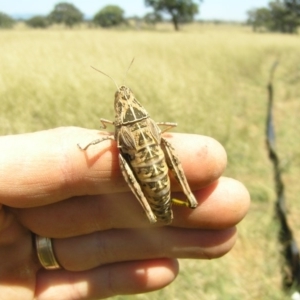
(145, 157)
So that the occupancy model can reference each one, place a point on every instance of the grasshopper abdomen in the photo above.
(141, 150)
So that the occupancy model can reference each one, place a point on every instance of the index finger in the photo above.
(46, 167)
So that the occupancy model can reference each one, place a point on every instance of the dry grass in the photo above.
(212, 81)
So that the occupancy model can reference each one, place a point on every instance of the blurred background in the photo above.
(203, 64)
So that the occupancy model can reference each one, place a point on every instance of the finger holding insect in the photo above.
(60, 174)
(57, 170)
(203, 160)
(222, 205)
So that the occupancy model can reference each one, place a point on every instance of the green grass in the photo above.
(212, 81)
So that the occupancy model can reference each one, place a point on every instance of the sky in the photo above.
(234, 10)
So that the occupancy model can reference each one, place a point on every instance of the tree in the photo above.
(38, 22)
(110, 15)
(66, 13)
(293, 7)
(152, 18)
(181, 11)
(6, 21)
(259, 18)
(279, 16)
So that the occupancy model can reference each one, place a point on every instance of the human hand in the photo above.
(101, 236)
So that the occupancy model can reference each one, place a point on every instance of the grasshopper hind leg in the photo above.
(176, 169)
(136, 189)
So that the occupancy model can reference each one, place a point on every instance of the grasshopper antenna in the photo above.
(107, 76)
(127, 70)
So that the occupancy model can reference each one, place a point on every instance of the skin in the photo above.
(101, 236)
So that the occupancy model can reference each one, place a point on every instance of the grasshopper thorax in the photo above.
(128, 109)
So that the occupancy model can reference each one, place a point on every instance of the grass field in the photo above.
(212, 81)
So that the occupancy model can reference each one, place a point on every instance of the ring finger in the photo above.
(116, 245)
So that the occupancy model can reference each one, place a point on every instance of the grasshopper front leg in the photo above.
(97, 141)
(135, 188)
(176, 169)
(104, 122)
(167, 126)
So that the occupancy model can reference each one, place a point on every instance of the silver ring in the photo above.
(45, 253)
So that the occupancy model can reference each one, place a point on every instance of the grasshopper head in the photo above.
(127, 108)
